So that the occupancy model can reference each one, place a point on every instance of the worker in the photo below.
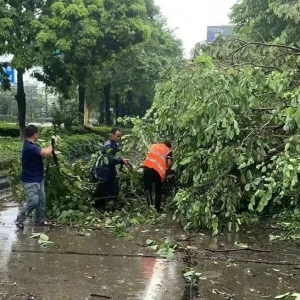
(32, 178)
(156, 164)
(104, 170)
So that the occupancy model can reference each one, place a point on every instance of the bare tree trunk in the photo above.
(129, 102)
(101, 119)
(107, 104)
(21, 100)
(117, 106)
(81, 95)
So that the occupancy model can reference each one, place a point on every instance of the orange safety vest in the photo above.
(157, 159)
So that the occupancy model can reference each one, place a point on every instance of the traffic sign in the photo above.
(11, 73)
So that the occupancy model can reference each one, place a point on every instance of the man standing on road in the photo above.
(105, 170)
(156, 164)
(32, 178)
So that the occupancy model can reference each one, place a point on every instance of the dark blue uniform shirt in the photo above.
(32, 163)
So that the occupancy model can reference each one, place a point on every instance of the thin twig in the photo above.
(100, 296)
(235, 250)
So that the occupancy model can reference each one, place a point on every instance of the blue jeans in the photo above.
(35, 200)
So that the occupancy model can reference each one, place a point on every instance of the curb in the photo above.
(4, 184)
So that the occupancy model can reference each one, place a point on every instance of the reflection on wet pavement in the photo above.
(8, 235)
(76, 267)
(99, 265)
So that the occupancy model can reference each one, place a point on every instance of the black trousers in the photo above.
(152, 177)
(106, 191)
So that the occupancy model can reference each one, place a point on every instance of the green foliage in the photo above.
(267, 20)
(165, 247)
(191, 276)
(235, 130)
(80, 145)
(133, 213)
(10, 150)
(89, 35)
(71, 146)
(141, 64)
(289, 222)
(102, 131)
(9, 130)
(68, 189)
(65, 112)
(43, 239)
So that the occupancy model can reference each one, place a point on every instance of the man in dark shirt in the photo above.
(106, 173)
(32, 178)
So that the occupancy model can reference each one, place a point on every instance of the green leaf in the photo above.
(105, 160)
(283, 296)
(35, 235)
(247, 187)
(44, 237)
(242, 166)
(241, 245)
(249, 174)
(150, 242)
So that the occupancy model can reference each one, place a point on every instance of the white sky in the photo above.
(191, 17)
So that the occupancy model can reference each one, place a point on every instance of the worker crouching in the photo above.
(156, 164)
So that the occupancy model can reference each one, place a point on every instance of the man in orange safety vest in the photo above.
(156, 164)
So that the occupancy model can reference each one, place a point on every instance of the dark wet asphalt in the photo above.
(75, 267)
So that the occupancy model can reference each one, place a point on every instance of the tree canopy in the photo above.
(233, 114)
(82, 44)
(19, 27)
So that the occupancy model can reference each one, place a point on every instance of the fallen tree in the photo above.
(233, 114)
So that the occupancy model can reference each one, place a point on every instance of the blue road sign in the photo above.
(214, 31)
(11, 73)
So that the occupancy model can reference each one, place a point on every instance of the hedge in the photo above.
(12, 130)
(9, 130)
(71, 145)
(102, 131)
(82, 141)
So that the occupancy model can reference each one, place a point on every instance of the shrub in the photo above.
(9, 129)
(72, 146)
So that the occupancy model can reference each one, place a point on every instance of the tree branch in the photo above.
(261, 44)
(235, 250)
(254, 65)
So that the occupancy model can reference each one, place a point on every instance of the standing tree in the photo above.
(129, 79)
(19, 26)
(88, 33)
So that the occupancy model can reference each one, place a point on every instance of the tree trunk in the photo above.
(107, 104)
(21, 100)
(101, 120)
(117, 107)
(81, 95)
(123, 110)
(129, 102)
(143, 105)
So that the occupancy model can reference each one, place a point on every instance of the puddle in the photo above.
(8, 234)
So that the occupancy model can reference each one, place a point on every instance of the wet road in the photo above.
(76, 267)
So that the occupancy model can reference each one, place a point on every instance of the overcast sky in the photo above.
(191, 17)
